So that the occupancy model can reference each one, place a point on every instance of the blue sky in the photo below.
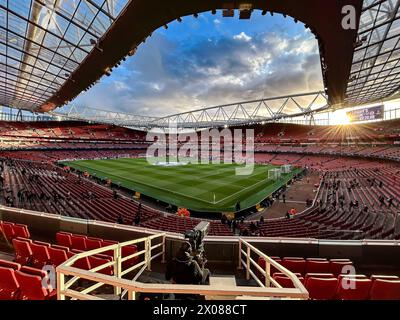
(208, 61)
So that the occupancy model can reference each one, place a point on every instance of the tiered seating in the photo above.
(12, 230)
(329, 279)
(23, 283)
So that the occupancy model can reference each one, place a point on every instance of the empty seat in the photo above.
(338, 267)
(9, 286)
(21, 230)
(8, 230)
(385, 290)
(261, 263)
(106, 243)
(93, 243)
(382, 277)
(319, 275)
(128, 251)
(294, 265)
(64, 239)
(99, 260)
(78, 242)
(353, 289)
(321, 288)
(31, 286)
(57, 256)
(10, 265)
(285, 281)
(23, 252)
(318, 266)
(40, 255)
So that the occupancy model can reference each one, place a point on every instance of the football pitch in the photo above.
(199, 187)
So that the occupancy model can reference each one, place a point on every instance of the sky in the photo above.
(210, 61)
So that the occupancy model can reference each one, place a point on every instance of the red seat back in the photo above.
(78, 242)
(21, 230)
(31, 286)
(285, 281)
(57, 256)
(321, 289)
(10, 265)
(127, 251)
(23, 252)
(96, 261)
(8, 284)
(64, 239)
(353, 289)
(385, 290)
(296, 266)
(315, 266)
(319, 275)
(106, 243)
(8, 230)
(336, 267)
(92, 243)
(40, 255)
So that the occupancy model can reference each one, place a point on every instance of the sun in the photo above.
(339, 117)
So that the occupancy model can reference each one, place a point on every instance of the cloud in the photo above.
(168, 75)
(242, 37)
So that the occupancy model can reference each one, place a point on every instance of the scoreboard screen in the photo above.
(372, 113)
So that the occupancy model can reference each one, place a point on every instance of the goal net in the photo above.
(274, 174)
(287, 168)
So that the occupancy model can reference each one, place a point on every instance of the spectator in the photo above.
(287, 215)
(223, 219)
(120, 220)
(137, 219)
(284, 198)
(261, 220)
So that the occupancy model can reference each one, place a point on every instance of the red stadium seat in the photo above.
(318, 266)
(319, 275)
(106, 243)
(10, 265)
(382, 277)
(64, 239)
(128, 251)
(23, 252)
(294, 265)
(9, 286)
(57, 256)
(353, 289)
(40, 255)
(31, 286)
(285, 281)
(78, 242)
(336, 267)
(98, 260)
(385, 290)
(21, 230)
(8, 230)
(321, 288)
(93, 243)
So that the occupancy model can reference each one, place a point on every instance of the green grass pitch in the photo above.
(193, 186)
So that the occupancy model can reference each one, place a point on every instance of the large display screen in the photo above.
(372, 113)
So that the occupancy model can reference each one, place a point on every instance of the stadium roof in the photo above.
(43, 42)
(51, 50)
(375, 72)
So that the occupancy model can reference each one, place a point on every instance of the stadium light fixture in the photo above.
(196, 15)
(264, 12)
(165, 26)
(179, 19)
(214, 11)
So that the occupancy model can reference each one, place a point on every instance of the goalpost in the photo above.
(287, 168)
(274, 174)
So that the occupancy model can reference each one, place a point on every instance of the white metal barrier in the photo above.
(67, 275)
(246, 250)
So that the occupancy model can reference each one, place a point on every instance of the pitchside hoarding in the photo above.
(367, 114)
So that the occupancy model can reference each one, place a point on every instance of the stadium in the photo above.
(289, 195)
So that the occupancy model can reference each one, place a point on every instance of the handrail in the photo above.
(131, 287)
(245, 248)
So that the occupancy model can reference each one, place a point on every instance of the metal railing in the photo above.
(130, 288)
(66, 269)
(246, 250)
